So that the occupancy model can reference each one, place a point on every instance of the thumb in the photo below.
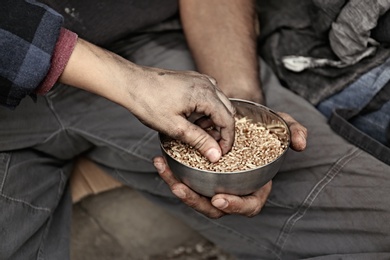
(201, 141)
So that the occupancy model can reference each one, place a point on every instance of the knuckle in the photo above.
(296, 126)
(200, 142)
(234, 209)
(255, 211)
(204, 85)
(247, 208)
(253, 214)
(304, 129)
(206, 88)
(191, 203)
(179, 132)
(215, 215)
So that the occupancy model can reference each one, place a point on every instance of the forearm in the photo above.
(222, 38)
(161, 99)
(99, 71)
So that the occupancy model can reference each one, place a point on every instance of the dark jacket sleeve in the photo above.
(28, 35)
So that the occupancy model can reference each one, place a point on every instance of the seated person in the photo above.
(320, 205)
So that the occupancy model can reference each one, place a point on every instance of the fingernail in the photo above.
(179, 193)
(160, 167)
(220, 203)
(213, 155)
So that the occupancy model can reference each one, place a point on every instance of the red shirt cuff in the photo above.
(62, 51)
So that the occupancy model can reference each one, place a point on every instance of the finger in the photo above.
(225, 124)
(225, 100)
(222, 118)
(249, 206)
(188, 196)
(214, 134)
(298, 132)
(195, 117)
(206, 124)
(198, 138)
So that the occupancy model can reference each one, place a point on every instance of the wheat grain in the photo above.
(255, 145)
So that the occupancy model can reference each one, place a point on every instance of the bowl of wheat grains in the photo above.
(262, 139)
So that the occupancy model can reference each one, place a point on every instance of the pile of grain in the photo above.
(255, 145)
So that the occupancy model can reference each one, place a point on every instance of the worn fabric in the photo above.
(321, 207)
(365, 106)
(26, 48)
(349, 35)
(321, 203)
(300, 30)
(352, 23)
(323, 51)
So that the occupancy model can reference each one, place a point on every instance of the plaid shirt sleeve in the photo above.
(28, 35)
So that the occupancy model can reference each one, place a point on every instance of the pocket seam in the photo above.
(25, 203)
(6, 157)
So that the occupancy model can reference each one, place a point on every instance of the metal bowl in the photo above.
(209, 183)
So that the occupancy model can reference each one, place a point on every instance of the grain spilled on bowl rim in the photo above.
(255, 145)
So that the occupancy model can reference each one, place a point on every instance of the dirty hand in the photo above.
(161, 99)
(298, 132)
(166, 100)
(222, 204)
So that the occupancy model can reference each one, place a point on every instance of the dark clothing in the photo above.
(381, 32)
(323, 51)
(303, 28)
(103, 22)
(27, 48)
(308, 214)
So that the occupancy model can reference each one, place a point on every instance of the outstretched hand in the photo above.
(162, 99)
(168, 99)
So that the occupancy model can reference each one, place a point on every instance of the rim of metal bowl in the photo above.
(269, 110)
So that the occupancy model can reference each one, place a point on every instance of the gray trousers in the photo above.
(328, 202)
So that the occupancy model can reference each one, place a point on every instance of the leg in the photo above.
(36, 206)
(36, 155)
(37, 141)
(322, 197)
(314, 196)
(323, 204)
